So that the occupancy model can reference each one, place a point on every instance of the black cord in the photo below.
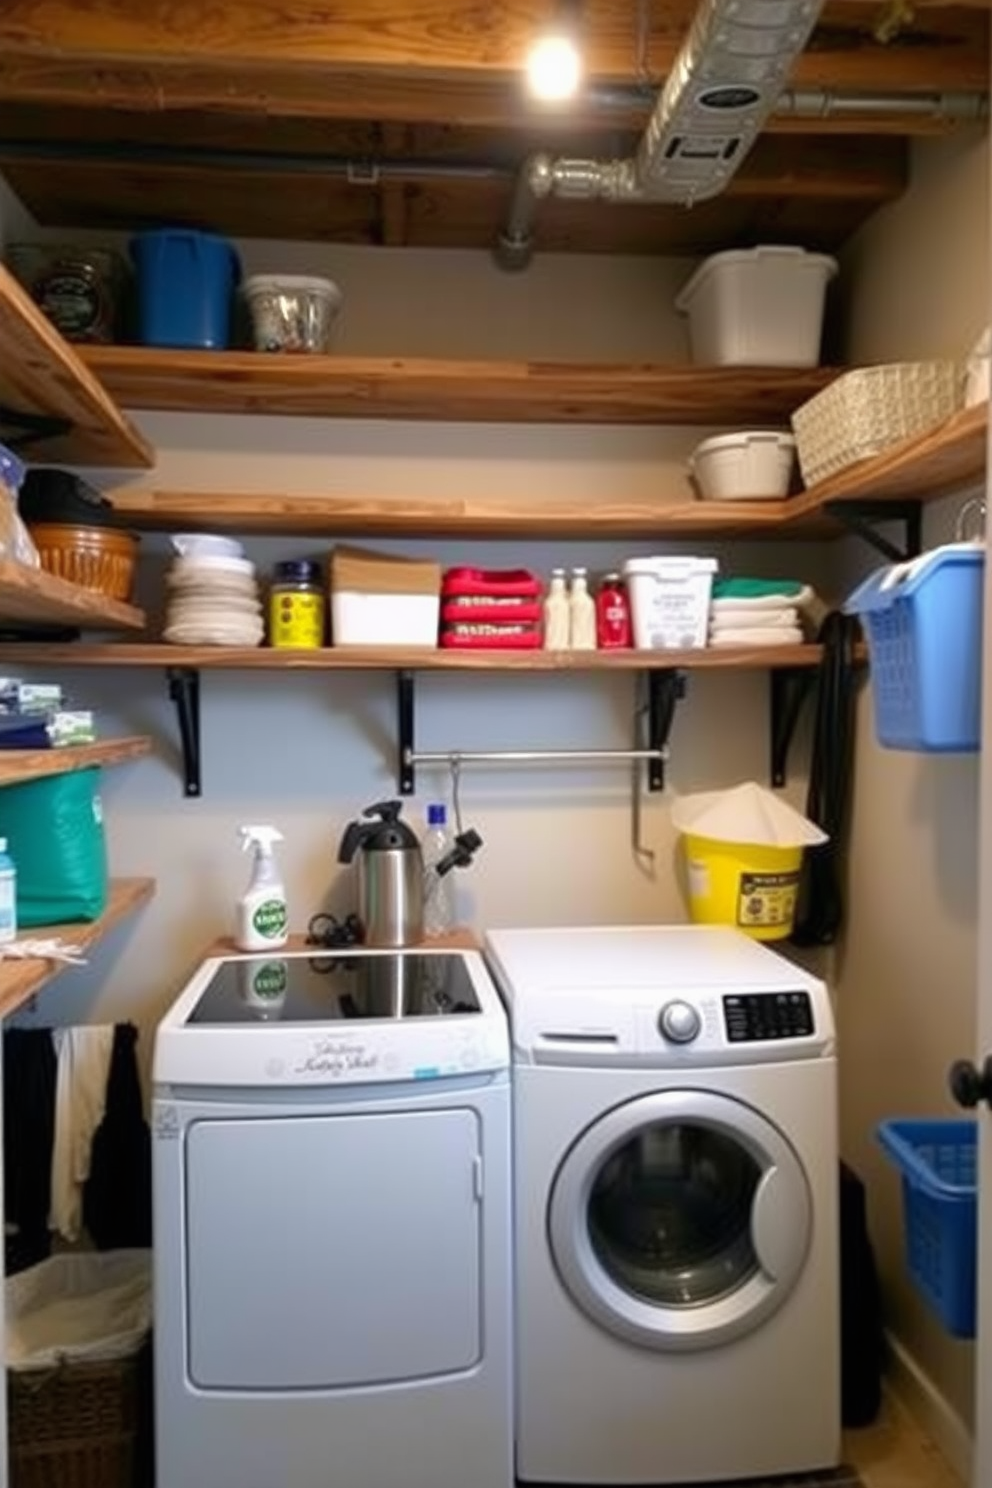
(820, 911)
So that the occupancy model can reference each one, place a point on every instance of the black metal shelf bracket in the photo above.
(790, 687)
(666, 689)
(405, 717)
(863, 517)
(23, 429)
(184, 690)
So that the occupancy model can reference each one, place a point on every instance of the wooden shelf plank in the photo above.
(459, 391)
(33, 597)
(331, 516)
(34, 764)
(20, 980)
(40, 373)
(394, 658)
(926, 468)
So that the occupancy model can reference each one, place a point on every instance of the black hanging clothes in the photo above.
(117, 1199)
(29, 1070)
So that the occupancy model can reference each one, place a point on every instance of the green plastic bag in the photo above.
(54, 832)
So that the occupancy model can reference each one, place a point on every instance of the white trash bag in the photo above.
(91, 1306)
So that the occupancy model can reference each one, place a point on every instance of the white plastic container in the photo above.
(359, 619)
(292, 312)
(670, 601)
(755, 465)
(757, 307)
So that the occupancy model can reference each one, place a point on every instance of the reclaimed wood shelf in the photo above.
(456, 391)
(34, 764)
(43, 378)
(408, 658)
(33, 597)
(331, 516)
(20, 980)
(925, 468)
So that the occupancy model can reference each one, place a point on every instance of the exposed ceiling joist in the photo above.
(358, 55)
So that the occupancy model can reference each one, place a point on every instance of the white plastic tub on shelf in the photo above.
(757, 307)
(754, 465)
(670, 601)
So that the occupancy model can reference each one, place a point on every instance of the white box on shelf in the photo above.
(757, 307)
(670, 601)
(359, 619)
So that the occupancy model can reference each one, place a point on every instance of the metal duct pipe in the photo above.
(543, 175)
(819, 103)
(358, 172)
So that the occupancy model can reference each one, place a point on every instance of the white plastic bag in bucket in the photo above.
(94, 1306)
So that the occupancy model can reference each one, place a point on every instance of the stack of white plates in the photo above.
(213, 595)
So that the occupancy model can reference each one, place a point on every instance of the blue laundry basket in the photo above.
(923, 621)
(937, 1161)
(186, 281)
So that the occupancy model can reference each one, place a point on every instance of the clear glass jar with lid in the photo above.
(297, 606)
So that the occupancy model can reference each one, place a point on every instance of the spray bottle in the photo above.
(261, 914)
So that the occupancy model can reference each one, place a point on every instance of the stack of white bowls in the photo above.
(213, 594)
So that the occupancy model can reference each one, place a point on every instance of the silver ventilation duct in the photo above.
(727, 79)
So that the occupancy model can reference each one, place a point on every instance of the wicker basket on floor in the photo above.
(75, 1426)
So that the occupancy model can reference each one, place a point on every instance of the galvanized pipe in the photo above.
(620, 180)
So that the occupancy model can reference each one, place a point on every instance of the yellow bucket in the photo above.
(752, 887)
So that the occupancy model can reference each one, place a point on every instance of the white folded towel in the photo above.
(769, 636)
(737, 619)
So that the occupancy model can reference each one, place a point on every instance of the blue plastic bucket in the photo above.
(186, 281)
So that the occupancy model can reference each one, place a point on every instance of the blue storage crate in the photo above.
(923, 621)
(940, 1214)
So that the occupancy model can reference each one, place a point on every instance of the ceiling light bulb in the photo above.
(554, 68)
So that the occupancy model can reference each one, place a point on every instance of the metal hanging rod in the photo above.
(533, 756)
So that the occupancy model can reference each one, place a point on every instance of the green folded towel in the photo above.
(755, 588)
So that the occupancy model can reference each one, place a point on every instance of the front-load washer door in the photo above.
(332, 1251)
(680, 1220)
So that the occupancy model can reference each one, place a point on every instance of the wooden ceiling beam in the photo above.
(387, 59)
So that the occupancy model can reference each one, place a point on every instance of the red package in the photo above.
(490, 583)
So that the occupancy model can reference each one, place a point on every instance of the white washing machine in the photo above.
(332, 1225)
(676, 1231)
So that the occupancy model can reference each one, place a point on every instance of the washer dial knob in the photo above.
(679, 1022)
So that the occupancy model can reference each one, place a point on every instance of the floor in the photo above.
(895, 1453)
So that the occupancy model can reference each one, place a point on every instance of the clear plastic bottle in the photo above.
(557, 621)
(8, 895)
(439, 898)
(582, 613)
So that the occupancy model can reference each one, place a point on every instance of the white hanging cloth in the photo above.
(83, 1056)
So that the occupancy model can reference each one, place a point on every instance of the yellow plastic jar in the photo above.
(297, 607)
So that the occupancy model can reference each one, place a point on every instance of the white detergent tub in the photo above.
(670, 601)
(362, 619)
(757, 307)
(754, 465)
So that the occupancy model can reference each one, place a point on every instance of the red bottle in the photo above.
(612, 615)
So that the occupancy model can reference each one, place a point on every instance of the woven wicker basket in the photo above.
(865, 411)
(75, 1426)
(99, 558)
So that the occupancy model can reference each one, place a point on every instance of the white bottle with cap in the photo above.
(557, 618)
(8, 895)
(260, 922)
(582, 613)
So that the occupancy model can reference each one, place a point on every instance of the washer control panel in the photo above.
(679, 1022)
(756, 1017)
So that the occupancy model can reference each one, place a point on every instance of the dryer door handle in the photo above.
(781, 1222)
